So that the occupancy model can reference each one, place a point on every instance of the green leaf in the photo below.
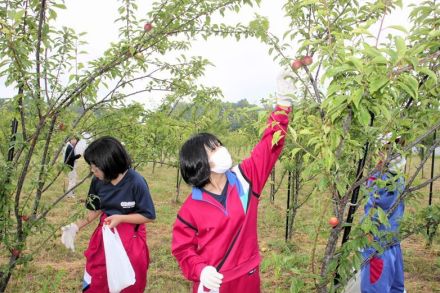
(307, 2)
(18, 15)
(428, 72)
(357, 96)
(362, 31)
(413, 84)
(409, 84)
(434, 33)
(383, 219)
(294, 151)
(59, 5)
(276, 137)
(329, 158)
(405, 88)
(336, 70)
(379, 60)
(323, 183)
(371, 51)
(335, 140)
(399, 28)
(52, 14)
(363, 116)
(333, 88)
(412, 60)
(293, 133)
(377, 83)
(305, 132)
(400, 46)
(393, 55)
(356, 62)
(337, 101)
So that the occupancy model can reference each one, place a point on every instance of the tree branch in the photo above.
(51, 206)
(406, 191)
(42, 173)
(41, 20)
(412, 189)
(400, 70)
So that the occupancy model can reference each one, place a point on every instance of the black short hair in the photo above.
(109, 155)
(194, 163)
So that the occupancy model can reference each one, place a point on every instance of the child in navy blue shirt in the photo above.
(120, 197)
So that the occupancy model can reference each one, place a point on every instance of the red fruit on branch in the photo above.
(307, 60)
(15, 252)
(333, 221)
(61, 126)
(148, 27)
(296, 64)
(25, 218)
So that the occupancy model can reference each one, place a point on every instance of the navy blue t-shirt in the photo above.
(221, 198)
(130, 195)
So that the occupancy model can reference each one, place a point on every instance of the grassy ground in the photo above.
(285, 267)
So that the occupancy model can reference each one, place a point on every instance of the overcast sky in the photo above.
(242, 69)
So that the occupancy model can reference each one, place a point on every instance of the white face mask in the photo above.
(221, 159)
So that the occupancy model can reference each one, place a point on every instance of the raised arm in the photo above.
(258, 166)
(263, 157)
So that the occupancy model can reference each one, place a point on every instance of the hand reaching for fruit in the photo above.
(286, 89)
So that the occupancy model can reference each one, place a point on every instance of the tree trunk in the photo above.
(5, 276)
(294, 204)
(272, 185)
(289, 189)
(431, 229)
(178, 181)
(331, 248)
(5, 211)
(43, 169)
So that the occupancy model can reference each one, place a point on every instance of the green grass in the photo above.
(286, 267)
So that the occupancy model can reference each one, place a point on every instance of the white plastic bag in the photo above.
(120, 273)
(80, 147)
(200, 290)
(354, 284)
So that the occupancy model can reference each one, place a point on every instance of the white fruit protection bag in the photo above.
(354, 284)
(120, 273)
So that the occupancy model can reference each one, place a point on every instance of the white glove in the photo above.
(384, 138)
(397, 165)
(286, 88)
(210, 278)
(201, 289)
(68, 237)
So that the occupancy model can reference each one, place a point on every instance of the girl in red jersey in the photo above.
(215, 233)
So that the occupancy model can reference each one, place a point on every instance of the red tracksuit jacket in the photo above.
(205, 233)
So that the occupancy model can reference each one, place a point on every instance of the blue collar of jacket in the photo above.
(232, 180)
